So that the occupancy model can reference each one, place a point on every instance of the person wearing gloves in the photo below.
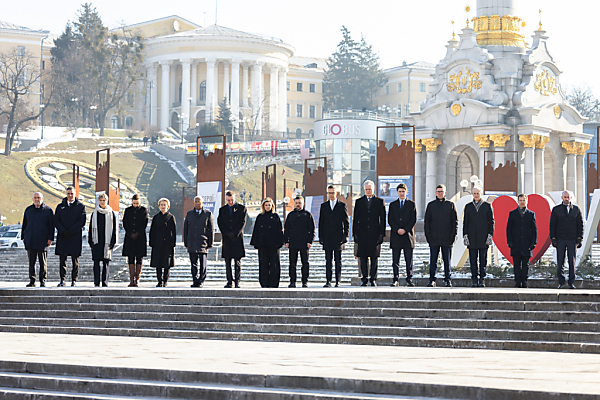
(566, 233)
(478, 233)
(102, 238)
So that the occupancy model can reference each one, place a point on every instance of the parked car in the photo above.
(11, 239)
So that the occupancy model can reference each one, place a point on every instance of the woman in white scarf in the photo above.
(102, 238)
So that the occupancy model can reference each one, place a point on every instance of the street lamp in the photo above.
(42, 120)
(473, 180)
(190, 110)
(181, 119)
(93, 109)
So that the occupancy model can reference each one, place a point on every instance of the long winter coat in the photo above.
(135, 221)
(402, 218)
(69, 222)
(477, 225)
(38, 227)
(198, 231)
(521, 232)
(566, 226)
(267, 231)
(98, 248)
(163, 238)
(299, 229)
(231, 225)
(441, 223)
(334, 225)
(368, 225)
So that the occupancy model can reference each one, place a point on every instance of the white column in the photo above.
(256, 94)
(164, 94)
(539, 167)
(581, 192)
(245, 86)
(235, 93)
(529, 171)
(273, 99)
(572, 173)
(218, 98)
(418, 182)
(431, 146)
(140, 104)
(185, 93)
(226, 82)
(194, 91)
(173, 85)
(210, 89)
(152, 115)
(282, 120)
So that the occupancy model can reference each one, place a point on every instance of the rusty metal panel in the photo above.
(211, 167)
(270, 182)
(315, 180)
(76, 179)
(504, 177)
(187, 203)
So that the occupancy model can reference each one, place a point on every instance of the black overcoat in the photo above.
(231, 225)
(198, 231)
(267, 231)
(566, 226)
(135, 221)
(441, 223)
(334, 225)
(521, 232)
(477, 225)
(69, 222)
(299, 229)
(163, 238)
(402, 218)
(367, 225)
(38, 227)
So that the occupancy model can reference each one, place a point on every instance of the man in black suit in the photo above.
(402, 218)
(441, 225)
(521, 235)
(231, 222)
(198, 236)
(478, 233)
(368, 227)
(333, 233)
(566, 233)
(298, 235)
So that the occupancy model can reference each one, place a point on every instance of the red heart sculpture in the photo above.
(542, 207)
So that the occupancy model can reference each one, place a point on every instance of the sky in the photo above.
(399, 30)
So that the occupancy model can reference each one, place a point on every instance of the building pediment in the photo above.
(463, 113)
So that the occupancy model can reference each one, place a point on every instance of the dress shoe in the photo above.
(99, 285)
(43, 284)
(30, 284)
(431, 284)
(395, 283)
(363, 284)
(448, 284)
(292, 285)
(572, 286)
(562, 286)
(73, 283)
(481, 283)
(373, 284)
(62, 283)
(524, 285)
(228, 286)
(304, 284)
(195, 285)
(410, 284)
(474, 284)
(159, 285)
(327, 284)
(104, 285)
(237, 285)
(337, 284)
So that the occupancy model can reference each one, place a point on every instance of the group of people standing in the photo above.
(297, 235)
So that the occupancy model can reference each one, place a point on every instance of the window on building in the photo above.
(180, 92)
(298, 133)
(298, 86)
(287, 84)
(311, 133)
(299, 110)
(423, 89)
(312, 111)
(399, 87)
(20, 51)
(289, 106)
(129, 122)
(387, 90)
(202, 91)
(312, 88)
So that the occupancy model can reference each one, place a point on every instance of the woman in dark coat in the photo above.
(102, 237)
(267, 238)
(163, 236)
(135, 220)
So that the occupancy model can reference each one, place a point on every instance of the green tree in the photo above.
(95, 67)
(353, 75)
(224, 118)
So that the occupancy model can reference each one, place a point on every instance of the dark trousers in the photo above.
(408, 259)
(570, 248)
(42, 256)
(63, 267)
(237, 263)
(329, 255)
(198, 261)
(364, 269)
(521, 268)
(105, 272)
(474, 255)
(434, 252)
(162, 275)
(294, 261)
(134, 260)
(269, 267)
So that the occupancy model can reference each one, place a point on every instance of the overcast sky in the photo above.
(411, 30)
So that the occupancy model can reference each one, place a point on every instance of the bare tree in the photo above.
(584, 101)
(20, 78)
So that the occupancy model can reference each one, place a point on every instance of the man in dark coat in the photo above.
(368, 227)
(69, 220)
(441, 226)
(521, 236)
(298, 235)
(198, 236)
(37, 233)
(478, 233)
(333, 233)
(135, 221)
(566, 233)
(402, 217)
(231, 222)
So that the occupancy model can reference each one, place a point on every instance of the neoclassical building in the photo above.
(494, 93)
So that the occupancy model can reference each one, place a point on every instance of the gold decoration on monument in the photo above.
(575, 147)
(557, 112)
(467, 9)
(499, 139)
(528, 140)
(431, 144)
(583, 147)
(418, 145)
(483, 140)
(456, 109)
(545, 84)
(499, 31)
(541, 141)
(464, 83)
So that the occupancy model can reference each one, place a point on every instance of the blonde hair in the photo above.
(262, 205)
(103, 196)
(165, 200)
